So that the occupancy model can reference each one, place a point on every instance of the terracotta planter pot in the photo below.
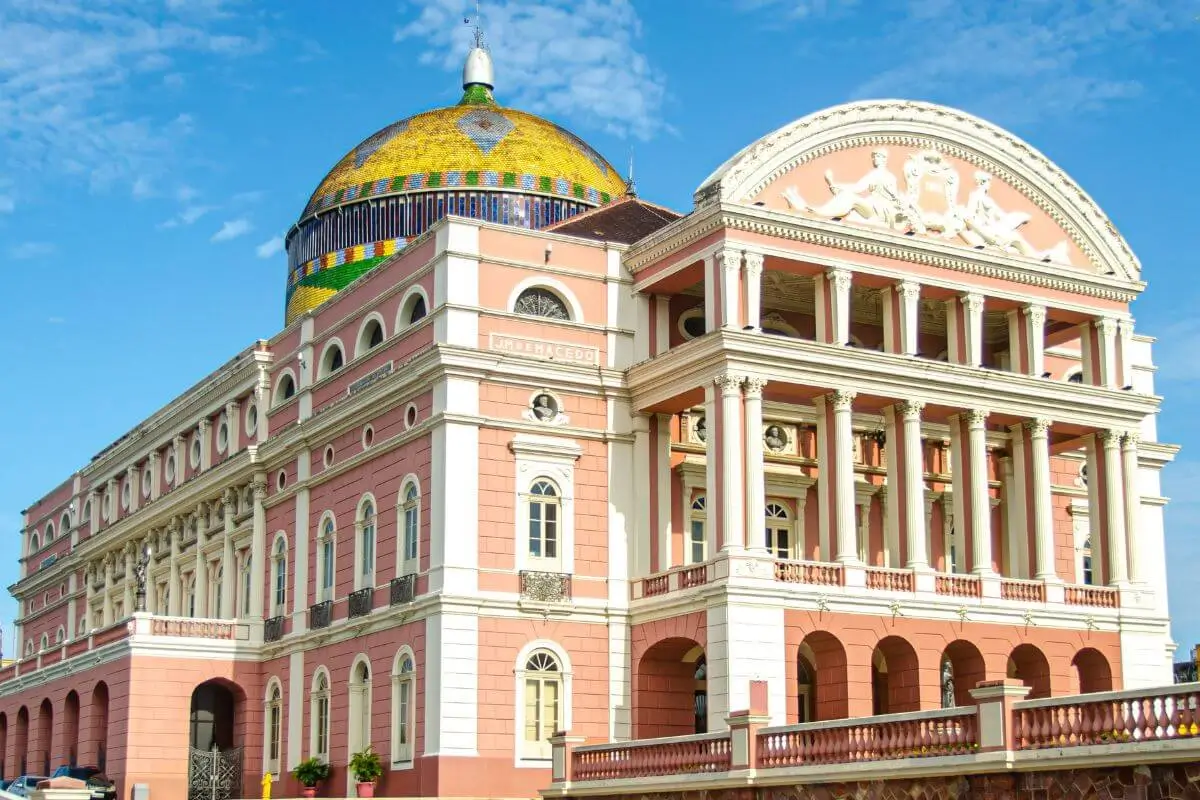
(308, 791)
(366, 790)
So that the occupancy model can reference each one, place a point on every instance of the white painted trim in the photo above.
(545, 458)
(312, 713)
(404, 565)
(359, 519)
(323, 371)
(277, 393)
(564, 704)
(362, 345)
(550, 284)
(404, 310)
(398, 760)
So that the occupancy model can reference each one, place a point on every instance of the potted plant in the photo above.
(310, 772)
(367, 768)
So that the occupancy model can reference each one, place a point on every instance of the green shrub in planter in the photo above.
(366, 766)
(311, 771)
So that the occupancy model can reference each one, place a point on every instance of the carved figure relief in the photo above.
(775, 438)
(929, 205)
(544, 408)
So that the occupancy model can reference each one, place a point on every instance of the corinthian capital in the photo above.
(1107, 326)
(1109, 439)
(972, 302)
(730, 259)
(976, 417)
(260, 490)
(729, 383)
(754, 263)
(839, 278)
(911, 409)
(1035, 314)
(1038, 428)
(909, 290)
(841, 400)
(754, 387)
(1132, 439)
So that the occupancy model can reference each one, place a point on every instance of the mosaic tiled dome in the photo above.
(475, 159)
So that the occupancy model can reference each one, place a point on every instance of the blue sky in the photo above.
(152, 152)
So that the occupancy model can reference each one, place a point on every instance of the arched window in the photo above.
(1075, 377)
(412, 528)
(28, 647)
(371, 336)
(60, 635)
(45, 644)
(360, 705)
(191, 595)
(319, 715)
(365, 573)
(1086, 574)
(697, 534)
(164, 599)
(778, 530)
(214, 592)
(332, 360)
(412, 309)
(287, 388)
(542, 694)
(544, 516)
(279, 567)
(247, 579)
(49, 533)
(326, 559)
(538, 302)
(274, 726)
(418, 311)
(403, 707)
(34, 544)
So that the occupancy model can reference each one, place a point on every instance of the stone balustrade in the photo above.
(998, 733)
(672, 581)
(813, 572)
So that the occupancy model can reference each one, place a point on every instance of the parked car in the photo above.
(98, 783)
(24, 785)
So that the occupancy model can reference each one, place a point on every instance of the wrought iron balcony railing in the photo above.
(362, 601)
(320, 614)
(273, 629)
(545, 587)
(402, 590)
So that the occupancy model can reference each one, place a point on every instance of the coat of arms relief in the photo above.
(928, 205)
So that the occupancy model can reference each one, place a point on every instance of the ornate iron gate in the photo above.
(214, 774)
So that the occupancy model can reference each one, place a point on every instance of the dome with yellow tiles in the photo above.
(475, 159)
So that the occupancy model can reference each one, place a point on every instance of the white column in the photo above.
(981, 503)
(175, 587)
(1125, 356)
(108, 587)
(843, 475)
(1043, 509)
(1133, 502)
(712, 478)
(711, 312)
(206, 447)
(972, 312)
(641, 527)
(258, 546)
(756, 488)
(229, 568)
(179, 448)
(200, 570)
(1114, 511)
(892, 498)
(128, 601)
(662, 463)
(155, 467)
(732, 476)
(729, 263)
(753, 268)
(1033, 318)
(909, 295)
(133, 480)
(89, 594)
(1106, 341)
(914, 482)
(147, 546)
(1018, 518)
(839, 304)
(233, 420)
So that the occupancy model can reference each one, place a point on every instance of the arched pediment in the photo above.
(925, 171)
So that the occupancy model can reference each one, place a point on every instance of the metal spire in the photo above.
(630, 183)
(477, 71)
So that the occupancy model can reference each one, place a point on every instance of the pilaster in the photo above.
(729, 274)
(756, 491)
(729, 431)
(1114, 511)
(752, 290)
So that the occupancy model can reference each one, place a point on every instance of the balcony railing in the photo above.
(194, 628)
(1147, 715)
(402, 590)
(273, 629)
(813, 572)
(959, 585)
(892, 580)
(362, 601)
(545, 587)
(1099, 596)
(320, 615)
(1022, 591)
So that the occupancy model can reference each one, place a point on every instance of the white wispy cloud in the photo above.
(232, 229)
(270, 247)
(74, 72)
(599, 76)
(27, 250)
(188, 216)
(1016, 61)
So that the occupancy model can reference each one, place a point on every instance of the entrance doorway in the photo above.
(214, 763)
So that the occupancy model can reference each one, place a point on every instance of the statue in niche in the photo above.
(986, 224)
(775, 438)
(874, 198)
(947, 684)
(701, 429)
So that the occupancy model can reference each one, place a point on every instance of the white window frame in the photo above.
(324, 365)
(363, 343)
(404, 719)
(548, 498)
(553, 459)
(697, 515)
(554, 286)
(273, 726)
(408, 527)
(317, 731)
(277, 397)
(190, 595)
(538, 754)
(408, 304)
(279, 604)
(326, 563)
(215, 578)
(777, 517)
(358, 729)
(362, 576)
(245, 588)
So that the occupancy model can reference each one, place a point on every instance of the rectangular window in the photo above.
(410, 534)
(697, 542)
(327, 570)
(323, 726)
(404, 750)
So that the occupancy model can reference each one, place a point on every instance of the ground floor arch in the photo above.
(45, 729)
(70, 730)
(1028, 664)
(821, 659)
(1093, 673)
(895, 677)
(99, 727)
(671, 689)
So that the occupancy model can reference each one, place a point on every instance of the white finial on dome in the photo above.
(477, 71)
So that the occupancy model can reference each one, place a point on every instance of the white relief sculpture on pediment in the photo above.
(929, 205)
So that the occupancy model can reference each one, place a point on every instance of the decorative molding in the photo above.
(753, 387)
(729, 383)
(926, 126)
(1038, 428)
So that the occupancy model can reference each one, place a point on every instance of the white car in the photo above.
(23, 786)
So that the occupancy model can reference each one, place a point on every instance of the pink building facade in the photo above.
(871, 424)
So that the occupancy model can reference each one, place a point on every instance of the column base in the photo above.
(924, 579)
(1056, 591)
(989, 585)
(854, 574)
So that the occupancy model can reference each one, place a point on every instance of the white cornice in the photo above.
(807, 363)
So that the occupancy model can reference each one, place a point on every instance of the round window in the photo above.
(281, 480)
(147, 478)
(196, 452)
(223, 436)
(170, 469)
(368, 436)
(328, 456)
(251, 419)
(126, 495)
(410, 416)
